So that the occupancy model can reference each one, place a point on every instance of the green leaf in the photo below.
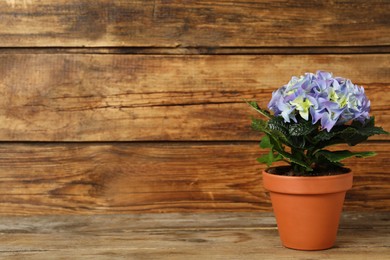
(337, 156)
(259, 125)
(279, 149)
(269, 158)
(368, 123)
(256, 107)
(280, 137)
(352, 135)
(263, 126)
(280, 131)
(301, 128)
(265, 142)
(372, 130)
(293, 159)
(323, 136)
(277, 124)
(325, 163)
(299, 142)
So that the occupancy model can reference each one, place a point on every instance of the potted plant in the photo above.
(305, 116)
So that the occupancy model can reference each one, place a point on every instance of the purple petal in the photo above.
(327, 122)
(324, 75)
(315, 115)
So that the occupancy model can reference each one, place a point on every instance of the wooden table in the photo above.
(181, 236)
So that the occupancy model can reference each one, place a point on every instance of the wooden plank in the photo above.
(178, 236)
(85, 178)
(200, 23)
(75, 97)
(199, 50)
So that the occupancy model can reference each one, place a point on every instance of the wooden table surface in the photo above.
(181, 236)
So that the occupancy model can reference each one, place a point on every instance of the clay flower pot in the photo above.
(307, 209)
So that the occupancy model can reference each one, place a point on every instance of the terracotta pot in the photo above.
(307, 209)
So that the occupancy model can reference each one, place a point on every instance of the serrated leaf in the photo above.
(288, 156)
(256, 107)
(262, 126)
(297, 142)
(337, 156)
(269, 158)
(292, 159)
(277, 124)
(352, 135)
(259, 125)
(301, 128)
(323, 136)
(265, 142)
(372, 130)
(280, 137)
(324, 162)
(368, 123)
(368, 128)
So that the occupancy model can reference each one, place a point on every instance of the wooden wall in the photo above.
(137, 106)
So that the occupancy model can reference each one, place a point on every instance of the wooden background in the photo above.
(137, 106)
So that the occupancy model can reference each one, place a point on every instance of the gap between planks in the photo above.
(207, 50)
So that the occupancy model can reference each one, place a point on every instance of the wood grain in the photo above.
(76, 97)
(200, 23)
(109, 107)
(200, 50)
(86, 178)
(179, 236)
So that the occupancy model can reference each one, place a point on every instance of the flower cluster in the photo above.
(327, 99)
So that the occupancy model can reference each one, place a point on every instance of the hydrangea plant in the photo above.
(310, 113)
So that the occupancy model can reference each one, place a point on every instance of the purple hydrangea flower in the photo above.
(328, 100)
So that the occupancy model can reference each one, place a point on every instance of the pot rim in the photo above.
(307, 184)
